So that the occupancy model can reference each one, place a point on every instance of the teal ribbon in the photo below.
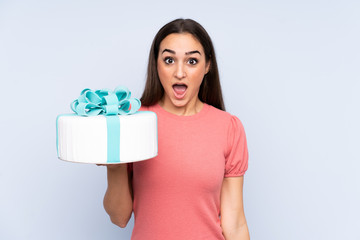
(105, 102)
(108, 103)
(113, 139)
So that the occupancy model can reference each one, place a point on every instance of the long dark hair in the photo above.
(210, 88)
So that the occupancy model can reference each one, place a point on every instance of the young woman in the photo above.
(193, 188)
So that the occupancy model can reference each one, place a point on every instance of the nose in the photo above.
(180, 71)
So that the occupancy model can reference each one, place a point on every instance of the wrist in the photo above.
(117, 175)
(121, 167)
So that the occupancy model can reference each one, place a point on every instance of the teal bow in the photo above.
(105, 102)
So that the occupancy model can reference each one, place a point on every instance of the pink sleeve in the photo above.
(236, 159)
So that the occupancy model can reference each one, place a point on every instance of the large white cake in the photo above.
(107, 139)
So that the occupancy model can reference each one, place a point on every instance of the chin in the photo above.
(179, 103)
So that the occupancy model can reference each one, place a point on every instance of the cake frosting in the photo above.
(106, 128)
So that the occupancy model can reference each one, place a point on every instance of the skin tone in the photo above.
(233, 221)
(181, 67)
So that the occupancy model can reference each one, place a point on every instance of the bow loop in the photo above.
(105, 102)
(122, 93)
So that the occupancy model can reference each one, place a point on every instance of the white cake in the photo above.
(107, 139)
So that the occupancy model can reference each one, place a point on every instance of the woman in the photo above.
(193, 188)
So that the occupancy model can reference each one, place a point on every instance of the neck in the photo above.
(191, 108)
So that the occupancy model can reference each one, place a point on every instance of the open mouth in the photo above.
(179, 90)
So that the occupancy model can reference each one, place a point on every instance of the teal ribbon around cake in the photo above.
(110, 104)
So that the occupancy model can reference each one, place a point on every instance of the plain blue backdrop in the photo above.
(289, 71)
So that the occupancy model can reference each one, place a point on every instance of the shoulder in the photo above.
(223, 116)
(230, 124)
(217, 112)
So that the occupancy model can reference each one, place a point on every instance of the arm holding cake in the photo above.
(118, 199)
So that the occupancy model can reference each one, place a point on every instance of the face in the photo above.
(181, 66)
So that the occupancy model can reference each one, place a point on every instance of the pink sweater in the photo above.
(177, 193)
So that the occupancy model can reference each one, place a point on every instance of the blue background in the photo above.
(289, 71)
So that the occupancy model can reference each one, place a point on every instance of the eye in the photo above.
(192, 61)
(169, 60)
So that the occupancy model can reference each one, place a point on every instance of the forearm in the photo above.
(239, 233)
(117, 199)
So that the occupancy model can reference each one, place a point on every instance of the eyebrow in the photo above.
(173, 52)
(192, 52)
